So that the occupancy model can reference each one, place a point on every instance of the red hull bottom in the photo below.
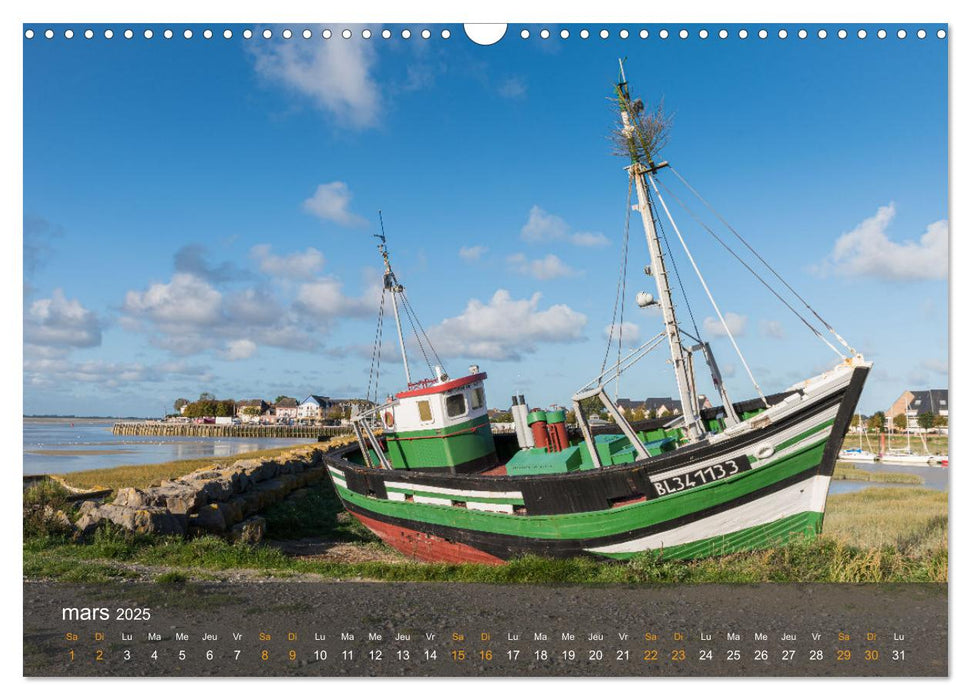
(421, 545)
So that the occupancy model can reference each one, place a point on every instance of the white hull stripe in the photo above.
(808, 495)
(460, 494)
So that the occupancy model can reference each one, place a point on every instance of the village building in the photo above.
(286, 409)
(658, 407)
(913, 403)
(315, 407)
(252, 410)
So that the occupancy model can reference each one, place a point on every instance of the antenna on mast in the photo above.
(392, 285)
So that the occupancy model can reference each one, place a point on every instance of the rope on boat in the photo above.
(711, 298)
(749, 268)
(621, 296)
(375, 371)
(763, 261)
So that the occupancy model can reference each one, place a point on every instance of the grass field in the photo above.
(143, 475)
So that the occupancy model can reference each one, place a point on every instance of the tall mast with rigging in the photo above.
(641, 147)
(392, 285)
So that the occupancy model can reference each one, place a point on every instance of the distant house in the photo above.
(252, 410)
(913, 403)
(658, 406)
(286, 409)
(315, 407)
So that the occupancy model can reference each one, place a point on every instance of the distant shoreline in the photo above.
(78, 419)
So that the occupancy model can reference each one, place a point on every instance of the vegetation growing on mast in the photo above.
(645, 131)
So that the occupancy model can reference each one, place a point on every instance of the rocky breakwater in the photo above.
(224, 501)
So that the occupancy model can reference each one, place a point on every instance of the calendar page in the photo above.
(610, 350)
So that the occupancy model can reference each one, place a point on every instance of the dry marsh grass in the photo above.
(912, 521)
(144, 475)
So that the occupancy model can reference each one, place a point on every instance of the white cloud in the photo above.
(935, 365)
(512, 88)
(60, 322)
(631, 332)
(241, 349)
(185, 301)
(293, 266)
(506, 328)
(546, 268)
(331, 202)
(324, 299)
(772, 329)
(735, 322)
(335, 75)
(188, 316)
(56, 373)
(866, 251)
(472, 253)
(589, 240)
(543, 226)
(191, 259)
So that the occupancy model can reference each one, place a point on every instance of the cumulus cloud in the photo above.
(629, 332)
(772, 329)
(58, 372)
(192, 260)
(39, 237)
(505, 328)
(187, 315)
(336, 76)
(324, 299)
(543, 226)
(472, 253)
(240, 349)
(867, 251)
(735, 322)
(512, 88)
(184, 301)
(546, 268)
(59, 322)
(300, 265)
(331, 202)
(589, 240)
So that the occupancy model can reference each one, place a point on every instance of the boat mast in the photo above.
(639, 172)
(392, 285)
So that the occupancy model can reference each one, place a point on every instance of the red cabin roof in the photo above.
(442, 388)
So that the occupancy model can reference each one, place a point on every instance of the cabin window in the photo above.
(478, 398)
(455, 405)
(424, 411)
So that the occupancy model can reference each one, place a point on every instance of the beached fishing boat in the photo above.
(430, 478)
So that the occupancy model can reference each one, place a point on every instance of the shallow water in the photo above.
(936, 478)
(79, 445)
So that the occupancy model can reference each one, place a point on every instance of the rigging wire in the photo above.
(375, 371)
(704, 284)
(763, 261)
(421, 346)
(428, 340)
(749, 268)
(621, 282)
(674, 265)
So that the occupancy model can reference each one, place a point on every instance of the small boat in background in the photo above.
(857, 454)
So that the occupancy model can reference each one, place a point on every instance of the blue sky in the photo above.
(198, 213)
